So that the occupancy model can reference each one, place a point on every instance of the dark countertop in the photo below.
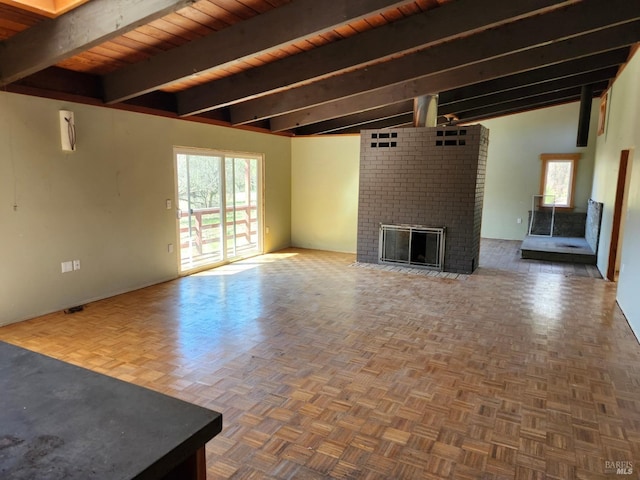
(59, 421)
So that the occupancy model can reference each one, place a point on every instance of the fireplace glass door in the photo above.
(412, 246)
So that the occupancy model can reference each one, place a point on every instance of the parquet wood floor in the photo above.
(324, 370)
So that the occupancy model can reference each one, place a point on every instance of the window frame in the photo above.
(548, 158)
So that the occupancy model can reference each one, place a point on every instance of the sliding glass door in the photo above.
(219, 207)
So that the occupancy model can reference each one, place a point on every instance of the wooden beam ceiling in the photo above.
(599, 61)
(514, 37)
(308, 67)
(255, 36)
(357, 119)
(552, 53)
(399, 121)
(537, 101)
(90, 24)
(587, 70)
(528, 91)
(401, 37)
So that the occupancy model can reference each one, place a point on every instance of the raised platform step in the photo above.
(558, 249)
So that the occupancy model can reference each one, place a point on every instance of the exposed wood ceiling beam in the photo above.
(613, 58)
(539, 101)
(403, 112)
(258, 35)
(403, 36)
(56, 80)
(90, 24)
(524, 34)
(574, 69)
(507, 108)
(405, 120)
(584, 117)
(529, 91)
(514, 107)
(589, 44)
(356, 119)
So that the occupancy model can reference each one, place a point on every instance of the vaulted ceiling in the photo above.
(312, 67)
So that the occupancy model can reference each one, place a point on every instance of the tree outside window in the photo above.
(558, 179)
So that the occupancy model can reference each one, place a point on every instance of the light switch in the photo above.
(76, 264)
(67, 266)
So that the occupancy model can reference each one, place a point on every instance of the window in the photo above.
(558, 179)
(51, 9)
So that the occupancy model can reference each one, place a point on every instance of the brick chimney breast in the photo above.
(429, 176)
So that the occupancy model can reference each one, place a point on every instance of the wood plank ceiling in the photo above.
(309, 67)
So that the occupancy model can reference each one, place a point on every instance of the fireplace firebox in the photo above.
(412, 245)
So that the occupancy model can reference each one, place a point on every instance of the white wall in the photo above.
(105, 203)
(514, 167)
(324, 192)
(622, 132)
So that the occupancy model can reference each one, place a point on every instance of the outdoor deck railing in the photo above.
(206, 226)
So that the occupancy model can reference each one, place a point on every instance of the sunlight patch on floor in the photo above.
(244, 265)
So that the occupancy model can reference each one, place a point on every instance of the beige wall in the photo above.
(323, 164)
(514, 168)
(622, 133)
(105, 203)
(324, 192)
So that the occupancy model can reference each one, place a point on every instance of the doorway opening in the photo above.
(619, 214)
(219, 201)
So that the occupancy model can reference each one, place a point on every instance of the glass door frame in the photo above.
(224, 155)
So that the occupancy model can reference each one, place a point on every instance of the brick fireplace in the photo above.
(424, 176)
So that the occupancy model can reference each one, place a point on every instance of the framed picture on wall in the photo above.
(603, 113)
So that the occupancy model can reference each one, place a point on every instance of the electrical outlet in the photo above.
(168, 204)
(519, 220)
(76, 264)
